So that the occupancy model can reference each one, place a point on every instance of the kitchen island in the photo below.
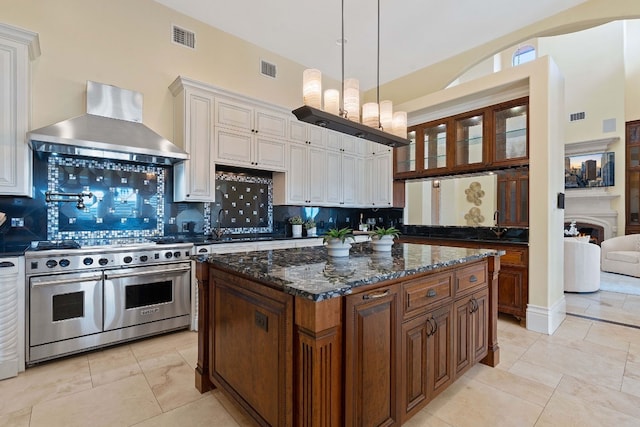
(298, 338)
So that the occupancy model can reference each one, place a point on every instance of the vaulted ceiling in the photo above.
(414, 34)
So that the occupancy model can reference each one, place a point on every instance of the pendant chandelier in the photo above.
(379, 123)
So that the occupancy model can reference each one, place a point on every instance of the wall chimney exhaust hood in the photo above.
(111, 129)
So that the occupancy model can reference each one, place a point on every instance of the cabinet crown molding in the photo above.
(19, 35)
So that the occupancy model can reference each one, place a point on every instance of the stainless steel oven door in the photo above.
(64, 306)
(133, 296)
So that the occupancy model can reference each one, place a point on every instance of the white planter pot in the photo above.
(382, 244)
(311, 232)
(336, 248)
(296, 229)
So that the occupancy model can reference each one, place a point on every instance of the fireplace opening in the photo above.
(584, 228)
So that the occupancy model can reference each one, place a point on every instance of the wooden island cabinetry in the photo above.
(370, 344)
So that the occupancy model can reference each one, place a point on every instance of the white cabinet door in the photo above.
(304, 133)
(334, 178)
(334, 140)
(234, 147)
(16, 45)
(363, 182)
(270, 154)
(234, 115)
(297, 175)
(349, 180)
(317, 172)
(382, 180)
(270, 123)
(194, 179)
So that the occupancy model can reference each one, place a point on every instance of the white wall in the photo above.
(632, 70)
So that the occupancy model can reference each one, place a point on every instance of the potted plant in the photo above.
(382, 238)
(310, 226)
(336, 240)
(296, 225)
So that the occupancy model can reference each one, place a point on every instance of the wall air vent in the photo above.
(184, 37)
(267, 69)
(576, 116)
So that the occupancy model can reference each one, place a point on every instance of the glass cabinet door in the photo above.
(435, 146)
(406, 155)
(511, 133)
(469, 140)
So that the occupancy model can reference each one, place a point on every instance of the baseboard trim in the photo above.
(546, 319)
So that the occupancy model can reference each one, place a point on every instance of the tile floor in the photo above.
(586, 374)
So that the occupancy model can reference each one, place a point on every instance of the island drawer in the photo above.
(470, 277)
(515, 257)
(426, 291)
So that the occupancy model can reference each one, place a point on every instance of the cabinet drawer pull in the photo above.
(431, 293)
(376, 295)
(473, 278)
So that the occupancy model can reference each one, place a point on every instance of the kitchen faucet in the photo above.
(497, 230)
(219, 232)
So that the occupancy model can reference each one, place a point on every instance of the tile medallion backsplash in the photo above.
(117, 199)
(244, 203)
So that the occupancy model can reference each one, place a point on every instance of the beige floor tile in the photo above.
(233, 409)
(19, 418)
(567, 360)
(45, 382)
(171, 380)
(112, 364)
(537, 373)
(120, 403)
(514, 385)
(614, 336)
(204, 412)
(587, 347)
(565, 410)
(178, 340)
(597, 395)
(474, 404)
(631, 386)
(190, 355)
(425, 419)
(615, 314)
(574, 328)
(509, 353)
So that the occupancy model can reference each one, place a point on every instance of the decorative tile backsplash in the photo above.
(118, 199)
(244, 203)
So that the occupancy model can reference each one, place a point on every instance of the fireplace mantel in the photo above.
(592, 206)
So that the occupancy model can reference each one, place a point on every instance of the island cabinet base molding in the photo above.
(373, 353)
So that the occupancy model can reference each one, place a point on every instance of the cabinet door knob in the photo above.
(431, 293)
(473, 278)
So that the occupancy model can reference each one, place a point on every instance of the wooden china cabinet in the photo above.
(632, 186)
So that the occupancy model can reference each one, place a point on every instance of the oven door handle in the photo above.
(37, 282)
(138, 273)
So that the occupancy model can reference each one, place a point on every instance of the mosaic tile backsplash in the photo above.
(117, 199)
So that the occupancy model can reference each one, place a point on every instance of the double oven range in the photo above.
(79, 298)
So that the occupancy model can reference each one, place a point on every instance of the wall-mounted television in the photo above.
(589, 170)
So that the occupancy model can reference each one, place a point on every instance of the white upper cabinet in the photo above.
(382, 178)
(17, 48)
(249, 135)
(304, 133)
(194, 179)
(305, 182)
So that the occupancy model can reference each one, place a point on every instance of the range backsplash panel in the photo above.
(244, 203)
(127, 200)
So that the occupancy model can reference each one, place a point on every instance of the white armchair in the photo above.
(622, 255)
(581, 266)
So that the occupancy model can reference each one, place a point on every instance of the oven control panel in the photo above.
(98, 259)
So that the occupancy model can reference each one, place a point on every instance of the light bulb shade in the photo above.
(386, 115)
(399, 126)
(352, 99)
(332, 101)
(312, 88)
(370, 115)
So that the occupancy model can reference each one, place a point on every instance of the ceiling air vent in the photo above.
(576, 116)
(184, 37)
(267, 69)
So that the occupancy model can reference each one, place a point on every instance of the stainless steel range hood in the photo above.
(111, 129)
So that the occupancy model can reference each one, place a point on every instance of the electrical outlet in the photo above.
(17, 222)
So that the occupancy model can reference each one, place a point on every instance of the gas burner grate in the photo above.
(47, 245)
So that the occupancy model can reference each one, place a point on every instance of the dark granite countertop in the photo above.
(310, 273)
(489, 235)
